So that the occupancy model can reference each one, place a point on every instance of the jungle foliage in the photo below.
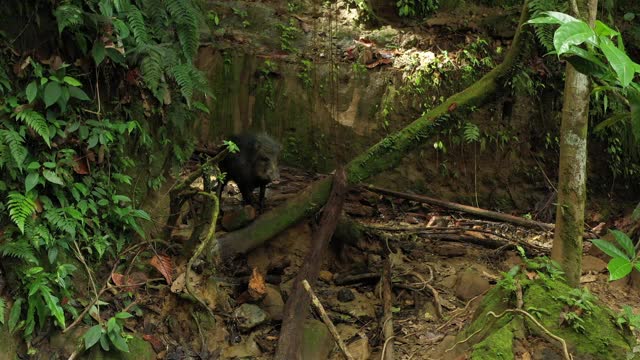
(67, 148)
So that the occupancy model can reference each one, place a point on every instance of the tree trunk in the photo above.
(567, 243)
(384, 155)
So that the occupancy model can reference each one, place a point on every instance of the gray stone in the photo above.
(249, 316)
(470, 284)
(317, 342)
(273, 303)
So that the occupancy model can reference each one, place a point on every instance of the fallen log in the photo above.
(464, 208)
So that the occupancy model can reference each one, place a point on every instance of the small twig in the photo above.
(387, 304)
(325, 318)
(384, 347)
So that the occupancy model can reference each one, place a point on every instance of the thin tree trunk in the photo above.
(567, 243)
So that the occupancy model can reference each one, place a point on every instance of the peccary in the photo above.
(255, 165)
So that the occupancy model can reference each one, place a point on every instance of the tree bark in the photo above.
(382, 156)
(567, 242)
(297, 307)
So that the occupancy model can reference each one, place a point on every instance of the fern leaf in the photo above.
(57, 217)
(68, 15)
(182, 74)
(15, 141)
(20, 249)
(152, 71)
(138, 27)
(36, 121)
(20, 208)
(184, 14)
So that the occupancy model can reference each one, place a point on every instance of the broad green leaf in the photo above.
(619, 268)
(121, 28)
(609, 249)
(572, 33)
(3, 305)
(52, 93)
(629, 16)
(98, 52)
(52, 177)
(14, 315)
(603, 30)
(64, 98)
(78, 93)
(92, 336)
(32, 91)
(34, 165)
(119, 342)
(31, 181)
(636, 213)
(553, 17)
(104, 342)
(72, 81)
(141, 214)
(625, 243)
(123, 315)
(619, 61)
(116, 56)
(614, 119)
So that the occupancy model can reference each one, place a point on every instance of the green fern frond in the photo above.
(57, 217)
(138, 27)
(152, 70)
(36, 121)
(20, 249)
(182, 74)
(68, 15)
(544, 32)
(471, 132)
(184, 14)
(20, 208)
(15, 141)
(5, 156)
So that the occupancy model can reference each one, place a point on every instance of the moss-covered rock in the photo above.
(490, 337)
(138, 350)
(600, 338)
(497, 346)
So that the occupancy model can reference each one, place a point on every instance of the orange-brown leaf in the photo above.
(118, 279)
(163, 264)
(80, 165)
(257, 287)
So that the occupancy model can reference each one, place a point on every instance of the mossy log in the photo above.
(382, 156)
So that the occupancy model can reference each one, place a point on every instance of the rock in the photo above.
(317, 342)
(592, 264)
(450, 250)
(138, 350)
(65, 344)
(470, 284)
(360, 349)
(249, 316)
(325, 276)
(246, 349)
(345, 295)
(361, 307)
(273, 303)
(512, 260)
(346, 331)
(449, 282)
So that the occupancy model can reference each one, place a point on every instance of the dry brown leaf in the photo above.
(379, 62)
(118, 279)
(155, 342)
(80, 165)
(164, 265)
(257, 287)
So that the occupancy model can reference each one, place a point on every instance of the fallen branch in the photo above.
(297, 306)
(465, 208)
(325, 318)
(387, 305)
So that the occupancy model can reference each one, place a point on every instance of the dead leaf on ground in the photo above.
(257, 287)
(164, 265)
(80, 165)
